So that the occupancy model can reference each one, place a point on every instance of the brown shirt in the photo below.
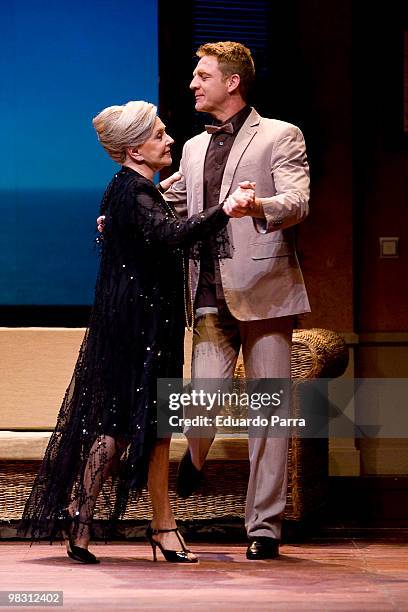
(209, 290)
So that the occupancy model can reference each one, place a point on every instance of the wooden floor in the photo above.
(319, 576)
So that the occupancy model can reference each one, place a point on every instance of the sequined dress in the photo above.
(135, 335)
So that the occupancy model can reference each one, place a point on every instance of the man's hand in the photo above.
(101, 223)
(238, 202)
(167, 183)
(243, 203)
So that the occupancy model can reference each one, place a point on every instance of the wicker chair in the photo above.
(315, 353)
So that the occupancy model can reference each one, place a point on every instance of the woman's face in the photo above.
(156, 150)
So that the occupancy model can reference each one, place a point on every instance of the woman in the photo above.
(107, 422)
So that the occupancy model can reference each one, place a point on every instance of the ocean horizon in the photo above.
(48, 254)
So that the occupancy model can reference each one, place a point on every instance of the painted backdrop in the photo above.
(60, 64)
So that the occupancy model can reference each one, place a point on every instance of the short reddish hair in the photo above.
(233, 58)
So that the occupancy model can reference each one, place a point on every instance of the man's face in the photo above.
(209, 85)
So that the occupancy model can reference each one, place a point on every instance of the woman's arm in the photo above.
(159, 223)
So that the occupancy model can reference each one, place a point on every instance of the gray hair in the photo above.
(129, 125)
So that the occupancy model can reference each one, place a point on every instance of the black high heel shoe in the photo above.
(76, 553)
(173, 556)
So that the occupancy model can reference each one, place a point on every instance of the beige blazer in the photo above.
(263, 279)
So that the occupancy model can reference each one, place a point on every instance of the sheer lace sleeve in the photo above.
(157, 220)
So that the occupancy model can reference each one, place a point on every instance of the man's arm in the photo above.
(177, 194)
(290, 172)
(165, 184)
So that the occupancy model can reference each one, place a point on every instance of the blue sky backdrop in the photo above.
(61, 63)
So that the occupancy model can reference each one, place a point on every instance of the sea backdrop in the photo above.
(61, 63)
(48, 254)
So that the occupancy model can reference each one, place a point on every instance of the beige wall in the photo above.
(35, 369)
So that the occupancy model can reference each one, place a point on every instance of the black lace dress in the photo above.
(107, 421)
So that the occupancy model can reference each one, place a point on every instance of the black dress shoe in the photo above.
(76, 553)
(263, 548)
(82, 555)
(188, 477)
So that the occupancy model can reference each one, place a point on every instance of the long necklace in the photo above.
(187, 285)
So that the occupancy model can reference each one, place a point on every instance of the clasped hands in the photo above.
(242, 202)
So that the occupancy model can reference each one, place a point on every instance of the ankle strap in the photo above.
(175, 530)
(156, 531)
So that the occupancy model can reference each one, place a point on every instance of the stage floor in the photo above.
(346, 575)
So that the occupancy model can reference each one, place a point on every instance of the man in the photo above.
(247, 300)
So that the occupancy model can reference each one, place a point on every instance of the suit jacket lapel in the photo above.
(244, 137)
(198, 161)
